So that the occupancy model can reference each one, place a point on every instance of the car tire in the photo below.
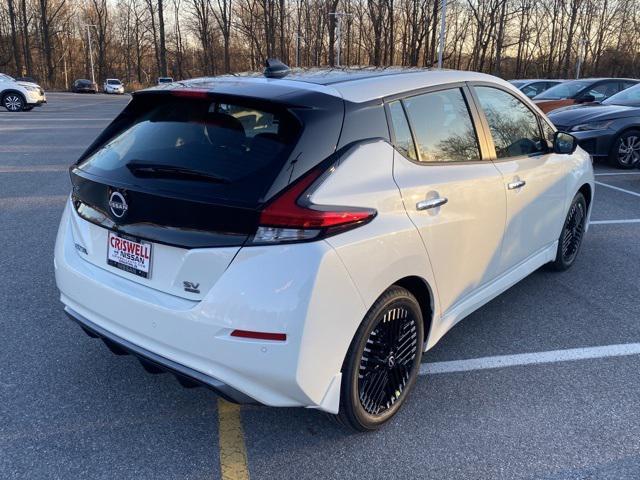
(376, 382)
(572, 234)
(14, 102)
(625, 151)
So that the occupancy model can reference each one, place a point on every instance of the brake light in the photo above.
(292, 217)
(190, 93)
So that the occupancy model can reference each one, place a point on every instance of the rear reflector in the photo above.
(278, 337)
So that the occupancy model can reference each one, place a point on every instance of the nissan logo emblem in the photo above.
(118, 205)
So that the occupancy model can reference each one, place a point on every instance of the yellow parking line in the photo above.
(233, 452)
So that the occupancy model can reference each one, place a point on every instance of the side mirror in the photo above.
(564, 143)
(587, 98)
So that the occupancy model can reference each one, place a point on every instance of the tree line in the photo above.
(139, 40)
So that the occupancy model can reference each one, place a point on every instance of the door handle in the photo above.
(432, 203)
(516, 185)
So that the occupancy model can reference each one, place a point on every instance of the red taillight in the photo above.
(278, 337)
(287, 211)
(190, 93)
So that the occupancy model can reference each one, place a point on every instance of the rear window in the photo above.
(206, 147)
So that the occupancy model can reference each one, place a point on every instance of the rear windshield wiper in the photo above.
(143, 169)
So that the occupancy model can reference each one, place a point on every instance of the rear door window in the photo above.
(208, 147)
(442, 126)
(403, 140)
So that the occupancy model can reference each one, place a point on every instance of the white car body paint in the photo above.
(482, 241)
(32, 93)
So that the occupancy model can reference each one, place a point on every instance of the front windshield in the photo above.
(113, 82)
(5, 77)
(630, 96)
(564, 90)
(517, 83)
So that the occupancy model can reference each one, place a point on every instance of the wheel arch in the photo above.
(619, 134)
(420, 289)
(13, 90)
(586, 192)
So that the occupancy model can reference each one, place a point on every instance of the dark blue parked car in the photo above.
(610, 129)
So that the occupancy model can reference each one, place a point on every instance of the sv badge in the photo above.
(191, 287)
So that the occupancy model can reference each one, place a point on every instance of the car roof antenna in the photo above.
(274, 68)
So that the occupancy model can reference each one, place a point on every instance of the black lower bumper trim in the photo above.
(154, 363)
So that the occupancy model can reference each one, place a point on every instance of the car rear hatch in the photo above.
(173, 188)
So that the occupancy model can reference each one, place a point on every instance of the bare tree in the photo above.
(223, 17)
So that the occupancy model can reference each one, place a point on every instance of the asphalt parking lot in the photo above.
(71, 409)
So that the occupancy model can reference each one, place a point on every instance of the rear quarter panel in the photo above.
(387, 249)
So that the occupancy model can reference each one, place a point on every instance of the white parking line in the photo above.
(615, 173)
(32, 168)
(553, 356)
(618, 188)
(35, 201)
(611, 222)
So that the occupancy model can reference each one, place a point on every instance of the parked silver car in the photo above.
(113, 85)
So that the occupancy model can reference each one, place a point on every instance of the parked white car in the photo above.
(301, 241)
(113, 85)
(18, 96)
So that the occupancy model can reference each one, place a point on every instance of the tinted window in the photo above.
(564, 90)
(514, 128)
(630, 96)
(403, 140)
(533, 89)
(113, 82)
(200, 145)
(604, 90)
(442, 126)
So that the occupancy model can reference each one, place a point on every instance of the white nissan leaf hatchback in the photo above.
(302, 239)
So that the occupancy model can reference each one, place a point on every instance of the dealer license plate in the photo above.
(129, 254)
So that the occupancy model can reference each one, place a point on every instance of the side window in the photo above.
(403, 140)
(604, 90)
(548, 132)
(531, 90)
(442, 127)
(514, 128)
(534, 89)
(627, 84)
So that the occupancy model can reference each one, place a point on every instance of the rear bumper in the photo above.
(302, 290)
(154, 363)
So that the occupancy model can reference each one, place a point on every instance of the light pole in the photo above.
(338, 16)
(581, 53)
(298, 38)
(443, 24)
(93, 78)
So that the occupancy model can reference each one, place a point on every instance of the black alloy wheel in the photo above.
(383, 361)
(572, 234)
